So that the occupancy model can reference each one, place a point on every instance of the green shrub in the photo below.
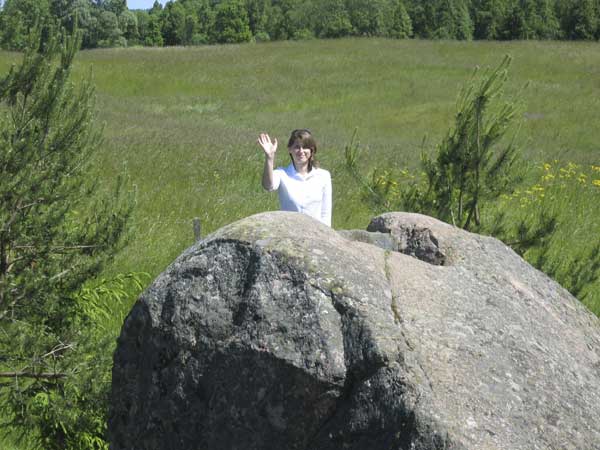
(473, 182)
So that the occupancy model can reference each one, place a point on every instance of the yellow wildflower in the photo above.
(595, 168)
(596, 182)
(548, 177)
(547, 167)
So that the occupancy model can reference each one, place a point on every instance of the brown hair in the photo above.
(306, 140)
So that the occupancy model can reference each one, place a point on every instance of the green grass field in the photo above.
(182, 123)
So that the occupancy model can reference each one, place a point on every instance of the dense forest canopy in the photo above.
(109, 23)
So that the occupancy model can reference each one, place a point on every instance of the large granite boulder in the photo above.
(278, 333)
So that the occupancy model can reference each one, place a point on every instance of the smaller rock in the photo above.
(412, 234)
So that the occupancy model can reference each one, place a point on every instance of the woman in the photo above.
(302, 186)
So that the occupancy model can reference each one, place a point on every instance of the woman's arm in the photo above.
(267, 178)
(326, 202)
(269, 148)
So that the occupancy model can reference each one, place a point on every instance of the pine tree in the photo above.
(468, 170)
(54, 237)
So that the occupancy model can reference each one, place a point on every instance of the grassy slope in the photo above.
(183, 122)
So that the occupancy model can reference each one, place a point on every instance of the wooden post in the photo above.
(197, 229)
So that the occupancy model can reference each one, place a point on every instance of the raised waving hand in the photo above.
(268, 146)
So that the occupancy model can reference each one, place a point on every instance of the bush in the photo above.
(262, 36)
(303, 35)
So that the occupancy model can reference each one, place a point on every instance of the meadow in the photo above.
(181, 124)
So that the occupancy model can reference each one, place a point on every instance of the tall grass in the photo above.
(571, 193)
(182, 124)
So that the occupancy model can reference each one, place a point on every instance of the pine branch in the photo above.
(37, 376)
(9, 307)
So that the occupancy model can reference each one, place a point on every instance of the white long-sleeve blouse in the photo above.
(310, 194)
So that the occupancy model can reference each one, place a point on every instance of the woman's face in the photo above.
(300, 155)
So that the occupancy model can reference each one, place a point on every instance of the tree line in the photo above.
(109, 23)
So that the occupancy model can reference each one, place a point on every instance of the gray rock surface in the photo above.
(276, 332)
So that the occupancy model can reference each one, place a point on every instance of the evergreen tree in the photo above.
(53, 238)
(468, 170)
